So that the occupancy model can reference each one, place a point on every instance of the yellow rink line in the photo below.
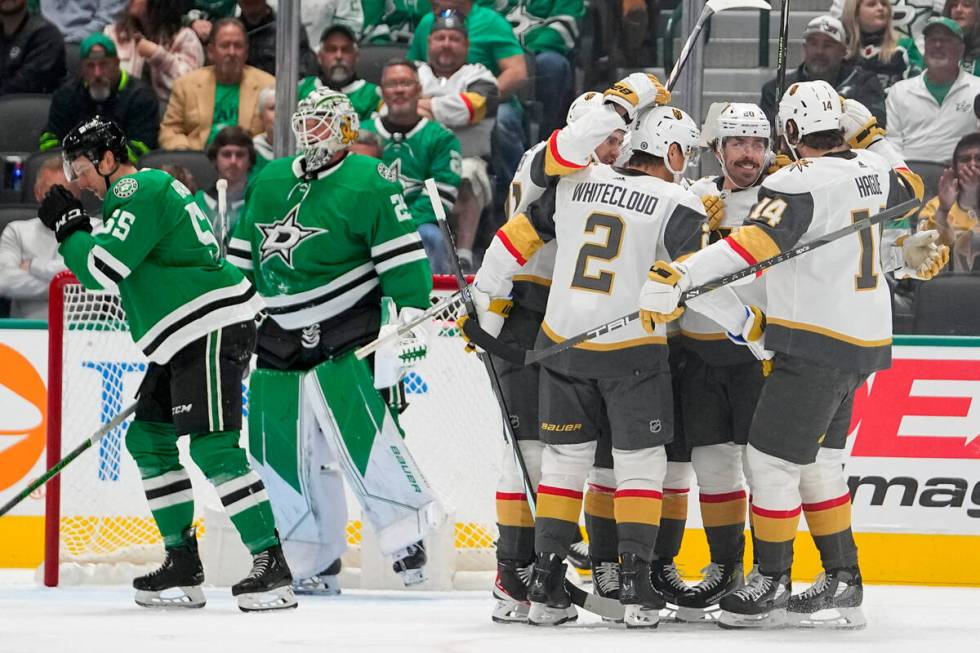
(891, 558)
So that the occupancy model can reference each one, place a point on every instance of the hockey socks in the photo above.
(830, 525)
(672, 522)
(723, 516)
(516, 527)
(600, 523)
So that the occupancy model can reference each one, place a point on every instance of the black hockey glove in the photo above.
(62, 213)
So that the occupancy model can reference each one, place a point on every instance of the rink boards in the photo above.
(914, 468)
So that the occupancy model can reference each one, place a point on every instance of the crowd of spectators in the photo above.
(477, 81)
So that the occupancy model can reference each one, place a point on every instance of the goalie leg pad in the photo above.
(301, 475)
(380, 470)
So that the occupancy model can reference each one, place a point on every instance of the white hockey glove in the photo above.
(661, 293)
(394, 359)
(636, 92)
(753, 333)
(860, 126)
(919, 256)
(490, 313)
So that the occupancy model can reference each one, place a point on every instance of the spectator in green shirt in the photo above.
(337, 57)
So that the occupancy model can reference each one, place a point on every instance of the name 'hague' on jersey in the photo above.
(318, 248)
(156, 246)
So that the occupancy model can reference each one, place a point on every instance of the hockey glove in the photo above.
(780, 162)
(752, 334)
(660, 295)
(62, 213)
(636, 92)
(394, 359)
(860, 127)
(490, 313)
(714, 207)
(922, 258)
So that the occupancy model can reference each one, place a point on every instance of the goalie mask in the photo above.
(657, 129)
(324, 123)
(808, 108)
(735, 120)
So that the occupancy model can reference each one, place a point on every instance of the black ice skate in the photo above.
(324, 583)
(700, 604)
(550, 603)
(268, 586)
(605, 582)
(668, 582)
(761, 603)
(834, 601)
(643, 602)
(510, 592)
(578, 556)
(181, 571)
(410, 564)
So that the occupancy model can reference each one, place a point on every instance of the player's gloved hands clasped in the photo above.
(860, 126)
(62, 213)
(714, 207)
(922, 257)
(490, 313)
(752, 334)
(636, 92)
(661, 294)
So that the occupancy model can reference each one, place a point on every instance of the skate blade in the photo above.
(707, 615)
(830, 619)
(328, 588)
(509, 611)
(541, 615)
(412, 577)
(639, 617)
(191, 597)
(280, 598)
(765, 620)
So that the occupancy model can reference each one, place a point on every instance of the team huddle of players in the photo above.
(601, 222)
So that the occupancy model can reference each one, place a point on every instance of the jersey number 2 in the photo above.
(606, 251)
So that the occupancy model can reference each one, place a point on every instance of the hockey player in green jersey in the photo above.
(332, 248)
(192, 314)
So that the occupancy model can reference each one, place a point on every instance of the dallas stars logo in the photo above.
(281, 238)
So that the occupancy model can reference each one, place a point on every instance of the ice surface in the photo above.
(34, 619)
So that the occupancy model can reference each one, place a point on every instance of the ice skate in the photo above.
(550, 603)
(268, 586)
(669, 584)
(410, 564)
(605, 581)
(510, 592)
(833, 601)
(636, 592)
(324, 583)
(578, 556)
(759, 604)
(701, 603)
(181, 572)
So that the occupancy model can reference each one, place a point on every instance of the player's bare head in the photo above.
(738, 134)
(338, 55)
(324, 124)
(94, 153)
(449, 43)
(663, 137)
(401, 90)
(810, 116)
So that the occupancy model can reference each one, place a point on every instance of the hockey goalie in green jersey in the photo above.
(334, 252)
(193, 315)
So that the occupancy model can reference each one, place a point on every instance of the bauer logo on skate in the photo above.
(23, 398)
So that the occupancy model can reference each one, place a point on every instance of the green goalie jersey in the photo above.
(363, 95)
(319, 248)
(157, 248)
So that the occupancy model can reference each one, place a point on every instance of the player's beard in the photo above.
(339, 75)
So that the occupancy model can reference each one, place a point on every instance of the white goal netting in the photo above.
(103, 528)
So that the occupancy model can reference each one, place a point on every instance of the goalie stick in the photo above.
(607, 608)
(67, 460)
(430, 313)
(529, 357)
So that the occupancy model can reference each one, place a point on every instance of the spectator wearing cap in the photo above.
(259, 20)
(76, 19)
(824, 52)
(928, 114)
(32, 51)
(462, 97)
(206, 100)
(338, 59)
(234, 157)
(103, 88)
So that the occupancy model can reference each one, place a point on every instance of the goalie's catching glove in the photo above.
(395, 358)
(636, 92)
(661, 294)
(490, 313)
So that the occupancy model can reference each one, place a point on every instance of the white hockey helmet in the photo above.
(741, 119)
(656, 129)
(811, 107)
(324, 123)
(582, 105)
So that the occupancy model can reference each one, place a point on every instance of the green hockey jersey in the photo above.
(392, 21)
(426, 150)
(365, 96)
(542, 25)
(317, 248)
(157, 247)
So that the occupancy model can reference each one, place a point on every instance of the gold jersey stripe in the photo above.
(829, 333)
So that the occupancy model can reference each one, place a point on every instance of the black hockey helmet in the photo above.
(92, 138)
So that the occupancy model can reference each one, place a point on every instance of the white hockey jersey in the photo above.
(466, 103)
(831, 306)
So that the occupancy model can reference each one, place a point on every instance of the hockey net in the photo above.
(98, 527)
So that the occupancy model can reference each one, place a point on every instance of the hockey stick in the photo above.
(222, 187)
(711, 7)
(608, 608)
(529, 357)
(781, 52)
(64, 462)
(430, 313)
